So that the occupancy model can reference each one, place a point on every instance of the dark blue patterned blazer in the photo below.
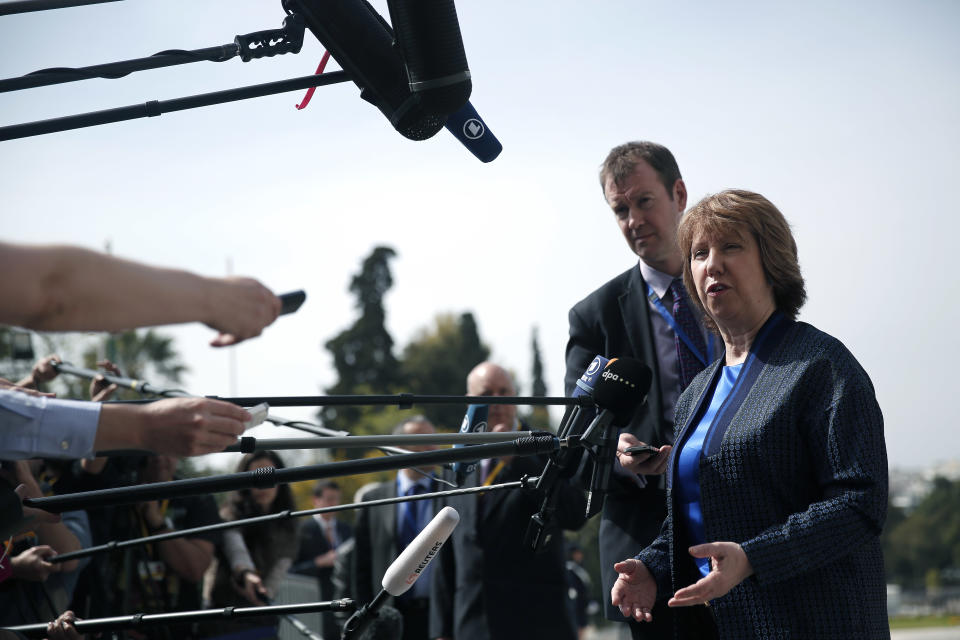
(794, 469)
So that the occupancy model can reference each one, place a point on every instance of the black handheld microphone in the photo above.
(290, 302)
(563, 463)
(474, 421)
(406, 569)
(620, 389)
(428, 35)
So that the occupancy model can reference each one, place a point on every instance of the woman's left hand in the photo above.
(730, 567)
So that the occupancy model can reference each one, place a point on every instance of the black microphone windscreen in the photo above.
(623, 385)
(361, 41)
(387, 625)
(428, 35)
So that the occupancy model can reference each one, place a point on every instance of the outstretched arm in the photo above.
(59, 288)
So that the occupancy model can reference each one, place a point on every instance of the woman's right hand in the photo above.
(635, 590)
(251, 587)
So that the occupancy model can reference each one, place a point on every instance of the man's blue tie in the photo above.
(410, 523)
(690, 365)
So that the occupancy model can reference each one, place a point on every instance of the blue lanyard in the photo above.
(662, 310)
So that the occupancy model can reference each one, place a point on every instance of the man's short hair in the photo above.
(323, 485)
(622, 161)
(398, 429)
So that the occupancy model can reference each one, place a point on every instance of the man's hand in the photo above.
(327, 559)
(635, 590)
(730, 567)
(63, 627)
(152, 514)
(31, 516)
(44, 371)
(6, 385)
(250, 586)
(645, 464)
(100, 389)
(32, 564)
(173, 426)
(240, 309)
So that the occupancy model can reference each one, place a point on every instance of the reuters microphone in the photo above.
(406, 569)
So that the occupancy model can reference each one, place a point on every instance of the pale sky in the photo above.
(845, 115)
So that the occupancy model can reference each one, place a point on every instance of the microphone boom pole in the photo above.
(159, 107)
(138, 620)
(28, 6)
(525, 483)
(269, 476)
(404, 400)
(147, 388)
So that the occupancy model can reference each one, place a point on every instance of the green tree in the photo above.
(15, 345)
(923, 548)
(363, 353)
(437, 360)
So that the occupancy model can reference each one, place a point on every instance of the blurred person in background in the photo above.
(486, 581)
(253, 559)
(385, 531)
(321, 541)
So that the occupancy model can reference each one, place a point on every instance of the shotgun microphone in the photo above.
(428, 36)
(362, 43)
(406, 569)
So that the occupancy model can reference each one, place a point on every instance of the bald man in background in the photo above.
(487, 584)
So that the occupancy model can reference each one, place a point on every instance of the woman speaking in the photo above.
(777, 486)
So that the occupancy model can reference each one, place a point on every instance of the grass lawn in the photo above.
(924, 621)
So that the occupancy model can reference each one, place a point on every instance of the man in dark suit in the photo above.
(383, 532)
(628, 316)
(487, 584)
(319, 538)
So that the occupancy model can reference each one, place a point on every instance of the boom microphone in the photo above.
(362, 43)
(428, 35)
(406, 569)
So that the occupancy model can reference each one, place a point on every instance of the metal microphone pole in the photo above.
(27, 6)
(525, 483)
(404, 400)
(271, 42)
(160, 107)
(249, 444)
(140, 620)
(270, 476)
(143, 387)
(140, 386)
